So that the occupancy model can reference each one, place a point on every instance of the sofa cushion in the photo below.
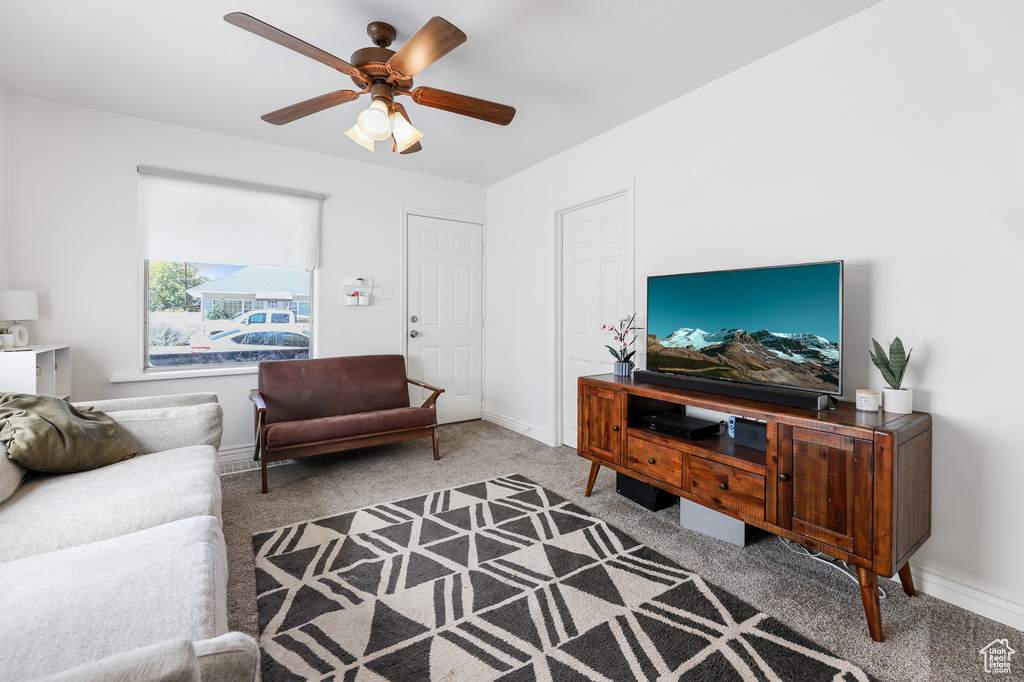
(148, 402)
(171, 661)
(344, 426)
(165, 428)
(45, 433)
(11, 474)
(54, 511)
(325, 387)
(85, 603)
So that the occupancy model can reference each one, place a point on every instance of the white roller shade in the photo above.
(209, 220)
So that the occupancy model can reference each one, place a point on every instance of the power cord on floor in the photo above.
(838, 564)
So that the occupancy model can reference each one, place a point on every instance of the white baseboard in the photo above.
(967, 594)
(518, 427)
(235, 453)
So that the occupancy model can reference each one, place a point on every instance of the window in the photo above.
(192, 321)
(228, 266)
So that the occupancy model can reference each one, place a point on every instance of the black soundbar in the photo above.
(767, 394)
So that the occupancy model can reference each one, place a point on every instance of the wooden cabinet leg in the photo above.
(907, 580)
(869, 595)
(594, 468)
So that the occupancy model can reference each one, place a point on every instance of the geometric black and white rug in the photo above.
(504, 580)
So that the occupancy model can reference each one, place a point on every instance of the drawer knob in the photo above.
(783, 477)
(615, 428)
(723, 486)
(650, 460)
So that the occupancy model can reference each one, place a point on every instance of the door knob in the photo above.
(723, 486)
(414, 333)
(783, 477)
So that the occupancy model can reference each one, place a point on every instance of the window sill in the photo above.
(182, 374)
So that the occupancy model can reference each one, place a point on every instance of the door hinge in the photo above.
(481, 248)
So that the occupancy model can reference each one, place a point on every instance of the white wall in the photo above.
(892, 140)
(73, 238)
(5, 158)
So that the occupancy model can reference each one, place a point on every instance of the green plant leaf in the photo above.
(631, 354)
(878, 357)
(880, 360)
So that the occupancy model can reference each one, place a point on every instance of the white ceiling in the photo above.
(572, 68)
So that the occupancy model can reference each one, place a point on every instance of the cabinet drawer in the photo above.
(657, 461)
(726, 488)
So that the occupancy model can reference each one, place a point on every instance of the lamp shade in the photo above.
(17, 305)
(357, 136)
(373, 121)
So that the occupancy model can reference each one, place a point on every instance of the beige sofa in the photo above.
(120, 573)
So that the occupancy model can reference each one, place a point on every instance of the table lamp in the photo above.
(19, 305)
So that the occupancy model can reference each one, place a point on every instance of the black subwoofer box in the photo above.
(643, 493)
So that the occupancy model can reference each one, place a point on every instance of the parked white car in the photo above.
(250, 340)
(278, 318)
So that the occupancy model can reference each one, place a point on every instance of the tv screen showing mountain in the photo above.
(779, 326)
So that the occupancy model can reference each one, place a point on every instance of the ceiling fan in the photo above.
(384, 74)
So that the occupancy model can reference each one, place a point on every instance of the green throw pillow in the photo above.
(44, 433)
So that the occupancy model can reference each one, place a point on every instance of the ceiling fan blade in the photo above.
(413, 149)
(492, 112)
(310, 106)
(437, 38)
(278, 36)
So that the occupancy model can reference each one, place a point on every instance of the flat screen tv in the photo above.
(778, 326)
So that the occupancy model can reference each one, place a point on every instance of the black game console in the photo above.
(751, 434)
(680, 426)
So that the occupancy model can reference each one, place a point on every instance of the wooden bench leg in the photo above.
(436, 455)
(594, 468)
(869, 595)
(907, 580)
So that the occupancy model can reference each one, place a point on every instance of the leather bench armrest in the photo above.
(258, 417)
(429, 402)
(257, 399)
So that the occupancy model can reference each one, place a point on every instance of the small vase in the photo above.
(898, 400)
(623, 369)
(6, 340)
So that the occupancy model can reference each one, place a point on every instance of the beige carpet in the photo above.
(926, 638)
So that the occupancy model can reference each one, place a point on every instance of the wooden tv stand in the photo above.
(854, 485)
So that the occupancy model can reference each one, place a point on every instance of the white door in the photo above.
(597, 288)
(445, 313)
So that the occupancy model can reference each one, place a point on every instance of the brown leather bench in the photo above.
(322, 405)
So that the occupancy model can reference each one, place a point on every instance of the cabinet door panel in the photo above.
(831, 490)
(601, 416)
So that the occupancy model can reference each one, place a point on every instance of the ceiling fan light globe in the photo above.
(357, 136)
(404, 133)
(374, 122)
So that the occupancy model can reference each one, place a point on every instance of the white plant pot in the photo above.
(6, 340)
(900, 401)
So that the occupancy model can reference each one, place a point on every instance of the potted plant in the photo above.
(893, 369)
(6, 338)
(625, 328)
